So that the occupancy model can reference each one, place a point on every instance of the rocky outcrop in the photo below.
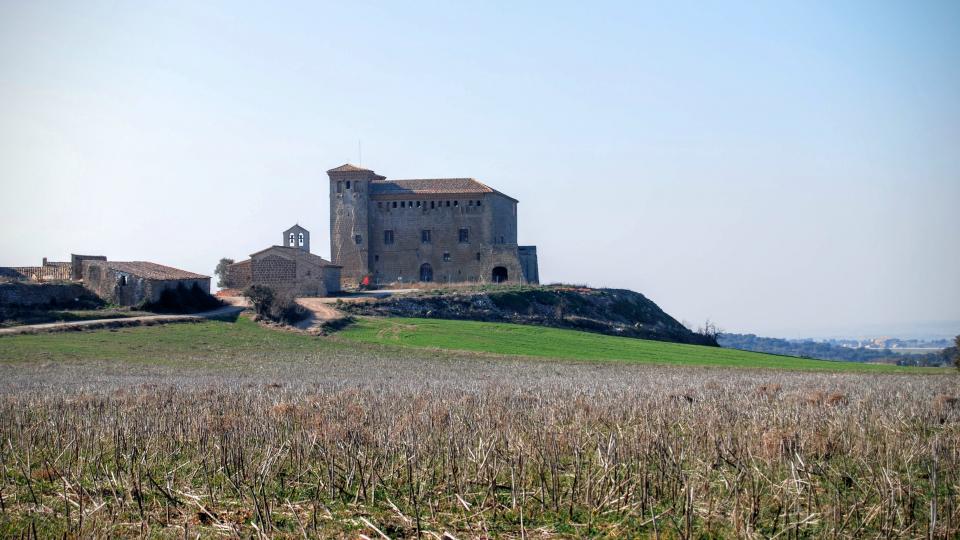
(616, 312)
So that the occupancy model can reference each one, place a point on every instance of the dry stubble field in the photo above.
(344, 441)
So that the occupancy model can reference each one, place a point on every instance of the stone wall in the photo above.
(43, 295)
(76, 264)
(491, 230)
(349, 207)
(529, 264)
(239, 275)
(303, 273)
(129, 289)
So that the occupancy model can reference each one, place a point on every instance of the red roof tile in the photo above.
(348, 167)
(432, 186)
(148, 270)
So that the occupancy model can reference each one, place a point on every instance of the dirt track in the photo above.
(127, 321)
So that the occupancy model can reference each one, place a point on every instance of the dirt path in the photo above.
(320, 312)
(226, 311)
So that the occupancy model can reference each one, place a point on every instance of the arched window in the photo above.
(426, 272)
(300, 239)
(291, 240)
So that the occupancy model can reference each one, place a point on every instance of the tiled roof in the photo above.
(316, 259)
(432, 186)
(348, 167)
(148, 270)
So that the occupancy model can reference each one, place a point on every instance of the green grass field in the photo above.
(161, 343)
(222, 342)
(536, 341)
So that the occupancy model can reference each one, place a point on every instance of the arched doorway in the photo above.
(426, 272)
(499, 274)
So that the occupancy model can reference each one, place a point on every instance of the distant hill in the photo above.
(616, 312)
(827, 351)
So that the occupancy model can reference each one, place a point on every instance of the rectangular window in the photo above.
(432, 204)
(464, 236)
(478, 255)
(394, 204)
(403, 204)
(348, 184)
(425, 236)
(388, 237)
(358, 239)
(446, 256)
(448, 204)
(339, 187)
(471, 203)
(456, 203)
(418, 204)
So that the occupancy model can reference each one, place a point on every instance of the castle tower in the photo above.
(349, 220)
(296, 237)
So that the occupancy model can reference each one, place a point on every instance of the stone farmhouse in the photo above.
(424, 230)
(288, 266)
(125, 283)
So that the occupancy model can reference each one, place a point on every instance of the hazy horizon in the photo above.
(788, 170)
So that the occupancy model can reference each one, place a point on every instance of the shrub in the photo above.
(277, 306)
(183, 300)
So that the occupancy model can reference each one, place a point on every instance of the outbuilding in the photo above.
(136, 282)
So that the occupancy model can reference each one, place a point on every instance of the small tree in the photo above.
(222, 273)
(276, 305)
(956, 352)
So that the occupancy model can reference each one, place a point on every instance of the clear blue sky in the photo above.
(781, 168)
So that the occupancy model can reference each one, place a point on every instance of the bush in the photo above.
(277, 306)
(183, 300)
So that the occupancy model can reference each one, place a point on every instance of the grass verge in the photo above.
(536, 341)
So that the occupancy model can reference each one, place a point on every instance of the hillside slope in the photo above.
(616, 312)
(564, 344)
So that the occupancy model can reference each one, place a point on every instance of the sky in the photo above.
(781, 168)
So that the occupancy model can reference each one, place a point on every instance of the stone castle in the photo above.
(442, 230)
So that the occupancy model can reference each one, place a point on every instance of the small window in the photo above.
(348, 184)
(339, 187)
(376, 258)
(448, 204)
(291, 240)
(456, 203)
(394, 204)
(388, 237)
(425, 236)
(300, 239)
(418, 204)
(123, 280)
(380, 205)
(501, 240)
(479, 203)
(446, 256)
(464, 236)
(471, 203)
(358, 239)
(403, 204)
(432, 204)
(478, 255)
